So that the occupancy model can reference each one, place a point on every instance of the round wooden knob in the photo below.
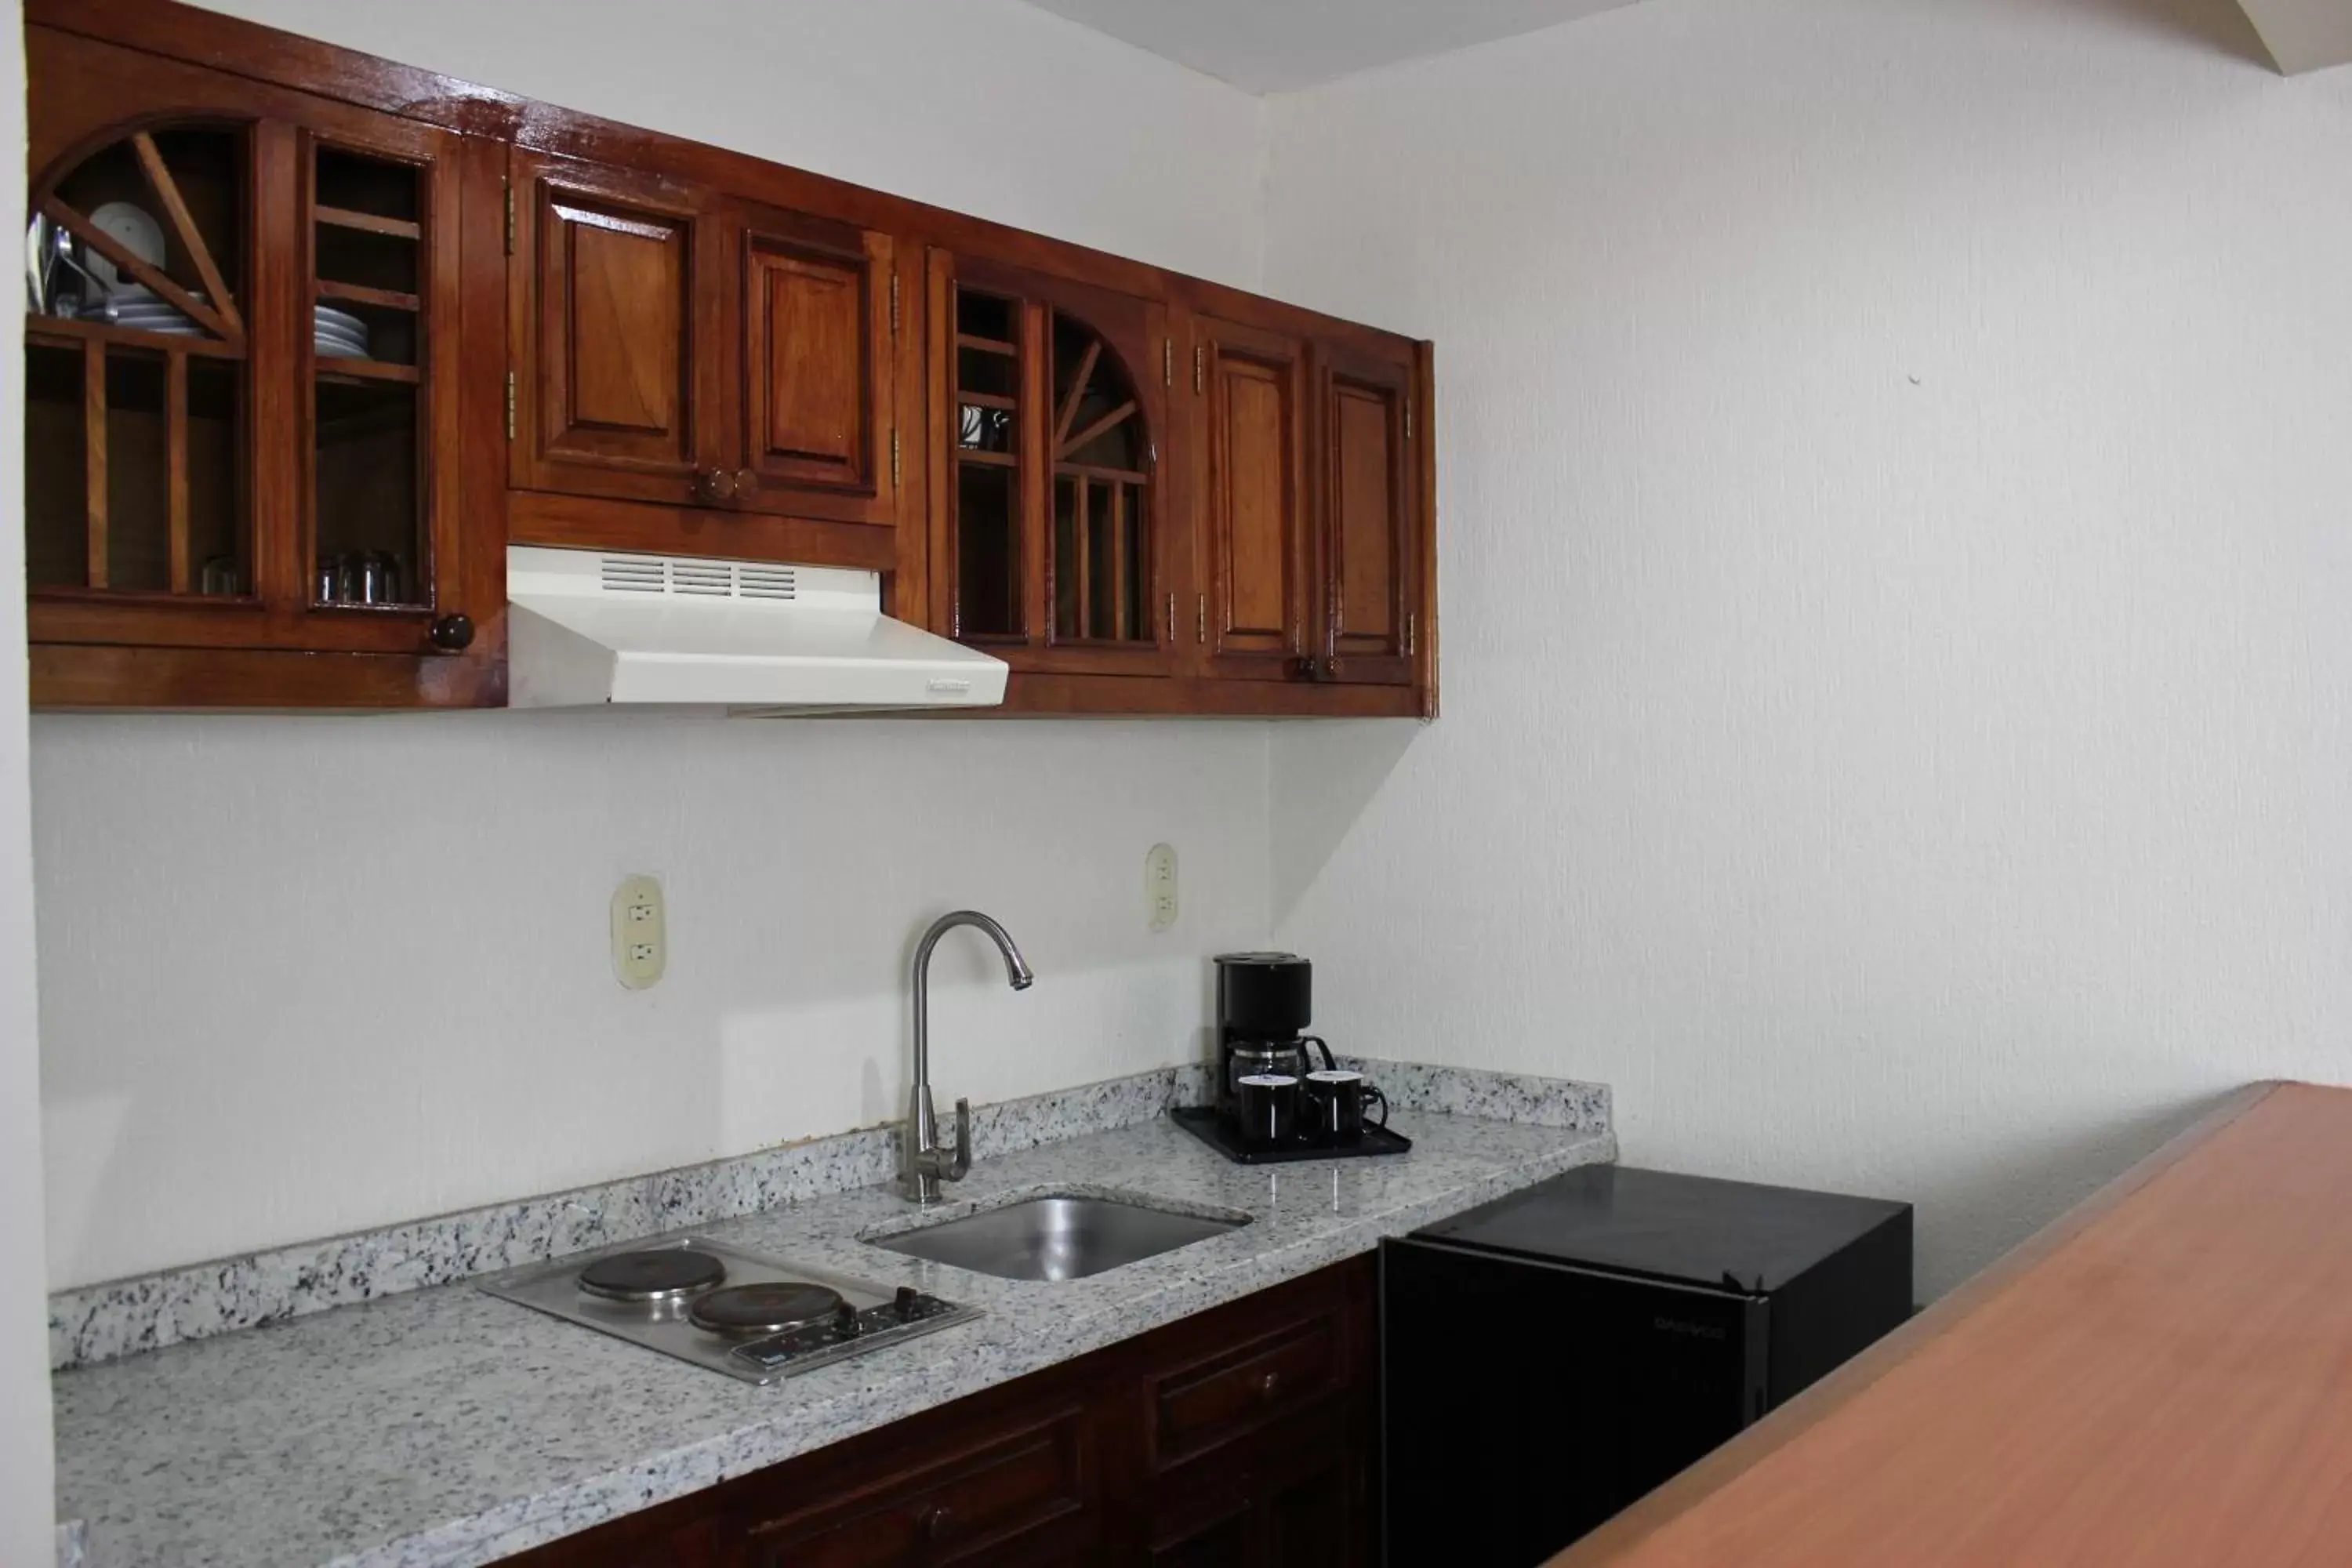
(452, 633)
(1304, 670)
(714, 484)
(1269, 1387)
(747, 484)
(1331, 669)
(938, 1523)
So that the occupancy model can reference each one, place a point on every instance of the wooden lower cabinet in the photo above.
(1242, 1437)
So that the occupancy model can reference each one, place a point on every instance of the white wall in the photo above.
(25, 1478)
(1895, 487)
(988, 107)
(303, 975)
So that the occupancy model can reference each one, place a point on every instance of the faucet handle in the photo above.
(962, 1166)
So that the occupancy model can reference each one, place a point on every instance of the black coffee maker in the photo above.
(1263, 1005)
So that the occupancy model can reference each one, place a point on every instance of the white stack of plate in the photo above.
(136, 305)
(339, 334)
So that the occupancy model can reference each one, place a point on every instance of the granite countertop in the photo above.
(448, 1427)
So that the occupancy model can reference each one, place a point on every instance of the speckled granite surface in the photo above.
(444, 1426)
(99, 1322)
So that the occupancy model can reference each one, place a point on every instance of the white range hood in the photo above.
(590, 628)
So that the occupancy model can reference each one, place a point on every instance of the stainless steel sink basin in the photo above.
(1056, 1238)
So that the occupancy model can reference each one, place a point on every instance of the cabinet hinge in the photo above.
(1200, 368)
(1410, 620)
(894, 307)
(1168, 362)
(510, 189)
(510, 404)
(894, 459)
(1201, 619)
(1172, 619)
(1408, 418)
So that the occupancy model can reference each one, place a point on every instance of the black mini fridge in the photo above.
(1548, 1358)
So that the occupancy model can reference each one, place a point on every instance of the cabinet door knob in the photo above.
(938, 1523)
(714, 484)
(1269, 1388)
(452, 633)
(1304, 670)
(747, 484)
(1331, 671)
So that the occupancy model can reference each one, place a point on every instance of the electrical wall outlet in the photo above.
(640, 933)
(1160, 887)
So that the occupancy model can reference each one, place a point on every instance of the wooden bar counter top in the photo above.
(2163, 1376)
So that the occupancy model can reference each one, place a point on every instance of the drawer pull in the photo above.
(939, 1522)
(1269, 1388)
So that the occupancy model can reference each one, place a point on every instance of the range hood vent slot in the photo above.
(635, 574)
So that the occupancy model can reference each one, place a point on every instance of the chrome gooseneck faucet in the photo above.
(923, 1164)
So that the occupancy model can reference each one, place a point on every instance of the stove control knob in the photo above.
(845, 1325)
(906, 1303)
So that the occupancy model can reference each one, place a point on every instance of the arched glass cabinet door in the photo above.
(242, 419)
(1049, 533)
(138, 369)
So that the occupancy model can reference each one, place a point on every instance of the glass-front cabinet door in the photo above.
(241, 414)
(1050, 521)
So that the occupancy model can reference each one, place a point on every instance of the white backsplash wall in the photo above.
(1897, 511)
(304, 975)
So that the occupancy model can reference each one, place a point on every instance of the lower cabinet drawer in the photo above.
(1021, 1497)
(1235, 1392)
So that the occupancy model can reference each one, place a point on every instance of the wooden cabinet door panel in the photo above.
(1311, 1518)
(1235, 1393)
(819, 378)
(1011, 1497)
(1253, 511)
(614, 361)
(1370, 571)
(1221, 1540)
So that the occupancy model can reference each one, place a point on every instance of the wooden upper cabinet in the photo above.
(1054, 528)
(1252, 515)
(616, 333)
(676, 346)
(244, 385)
(1368, 579)
(347, 340)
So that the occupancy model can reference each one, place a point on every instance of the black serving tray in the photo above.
(1202, 1122)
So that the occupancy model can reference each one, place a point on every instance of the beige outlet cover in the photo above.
(1160, 887)
(640, 933)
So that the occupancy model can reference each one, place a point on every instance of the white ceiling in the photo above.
(1269, 46)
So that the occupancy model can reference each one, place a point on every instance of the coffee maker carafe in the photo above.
(1263, 1005)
